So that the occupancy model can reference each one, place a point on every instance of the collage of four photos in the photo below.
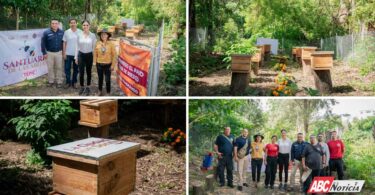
(200, 97)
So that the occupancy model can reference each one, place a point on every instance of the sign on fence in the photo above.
(133, 69)
(20, 56)
(139, 67)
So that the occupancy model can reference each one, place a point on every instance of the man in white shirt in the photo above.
(324, 167)
(69, 50)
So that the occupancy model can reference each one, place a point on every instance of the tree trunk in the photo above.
(210, 180)
(198, 189)
(192, 21)
(323, 81)
(305, 116)
(18, 18)
(239, 83)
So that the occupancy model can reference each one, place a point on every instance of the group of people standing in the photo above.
(78, 50)
(314, 158)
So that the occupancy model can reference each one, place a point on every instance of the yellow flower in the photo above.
(275, 93)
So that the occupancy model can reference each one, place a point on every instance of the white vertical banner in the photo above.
(21, 57)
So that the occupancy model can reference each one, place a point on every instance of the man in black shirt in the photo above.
(312, 156)
(224, 150)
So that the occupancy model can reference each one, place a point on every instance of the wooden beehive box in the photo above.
(94, 166)
(257, 57)
(136, 30)
(294, 51)
(262, 48)
(131, 33)
(139, 27)
(298, 52)
(97, 113)
(322, 60)
(267, 48)
(241, 63)
(111, 29)
(306, 52)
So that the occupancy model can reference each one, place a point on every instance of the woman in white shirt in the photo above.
(86, 42)
(284, 156)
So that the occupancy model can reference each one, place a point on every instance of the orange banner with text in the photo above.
(133, 69)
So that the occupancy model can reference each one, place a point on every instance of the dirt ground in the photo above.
(160, 168)
(38, 86)
(346, 82)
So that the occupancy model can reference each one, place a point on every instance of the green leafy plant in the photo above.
(287, 85)
(44, 125)
(242, 47)
(311, 91)
(175, 69)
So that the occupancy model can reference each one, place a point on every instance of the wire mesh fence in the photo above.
(353, 48)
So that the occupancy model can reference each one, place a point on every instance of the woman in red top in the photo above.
(271, 150)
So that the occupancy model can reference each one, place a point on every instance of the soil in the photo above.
(38, 86)
(160, 168)
(346, 82)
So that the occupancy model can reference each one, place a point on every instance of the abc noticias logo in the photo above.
(328, 184)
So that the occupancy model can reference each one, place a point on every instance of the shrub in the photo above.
(175, 69)
(45, 123)
(174, 137)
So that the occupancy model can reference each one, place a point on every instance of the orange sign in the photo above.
(133, 69)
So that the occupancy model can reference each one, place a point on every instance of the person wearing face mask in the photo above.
(241, 155)
(84, 57)
(52, 45)
(224, 149)
(69, 50)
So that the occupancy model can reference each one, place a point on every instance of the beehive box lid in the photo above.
(91, 150)
(96, 103)
(308, 47)
(322, 53)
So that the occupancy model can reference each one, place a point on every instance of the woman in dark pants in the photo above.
(257, 158)
(104, 59)
(271, 150)
(84, 56)
(283, 158)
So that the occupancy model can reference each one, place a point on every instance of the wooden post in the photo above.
(99, 132)
(198, 189)
(239, 83)
(210, 180)
(306, 67)
(323, 81)
(321, 63)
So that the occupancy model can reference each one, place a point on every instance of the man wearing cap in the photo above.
(312, 156)
(257, 158)
(224, 150)
(336, 150)
(241, 154)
